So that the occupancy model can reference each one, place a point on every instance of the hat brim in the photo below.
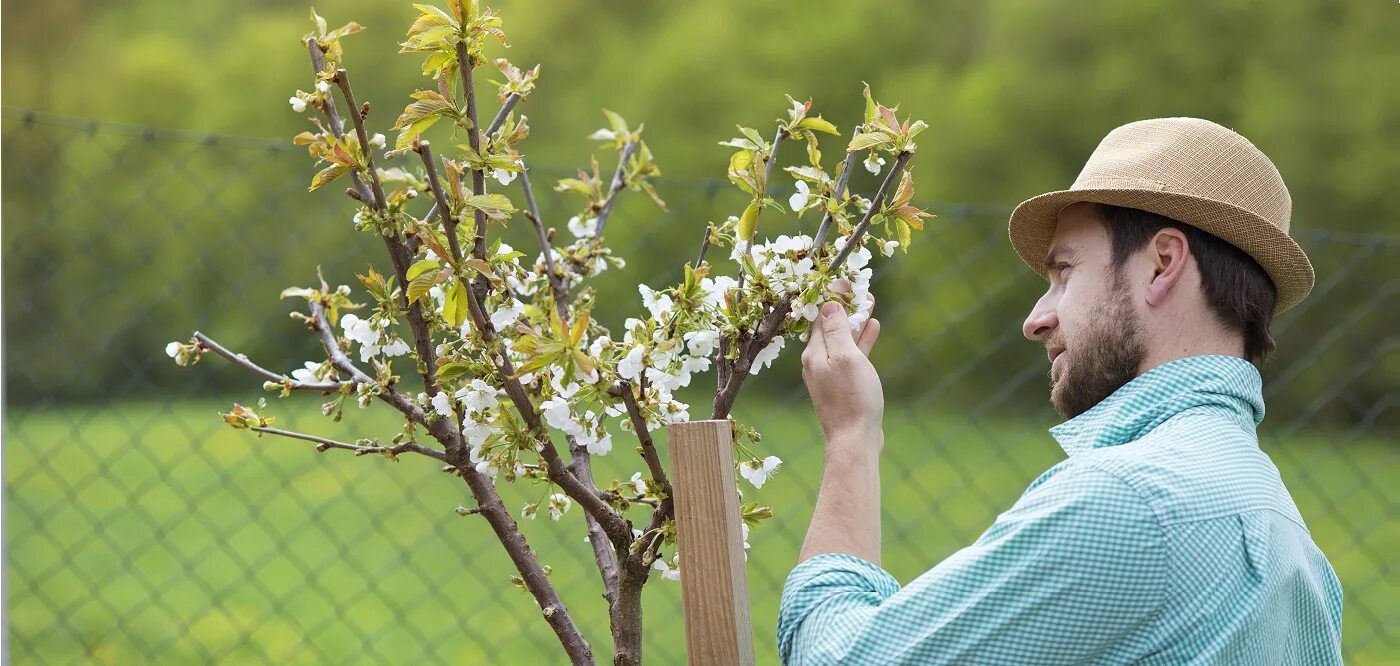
(1033, 223)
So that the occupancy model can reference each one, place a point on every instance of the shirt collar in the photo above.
(1228, 383)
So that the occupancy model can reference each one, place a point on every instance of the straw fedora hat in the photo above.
(1190, 170)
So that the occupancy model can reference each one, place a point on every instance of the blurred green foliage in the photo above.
(117, 242)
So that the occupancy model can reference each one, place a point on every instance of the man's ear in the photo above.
(1169, 253)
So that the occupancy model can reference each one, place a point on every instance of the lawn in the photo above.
(149, 532)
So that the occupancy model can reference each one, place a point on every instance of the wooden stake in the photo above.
(714, 584)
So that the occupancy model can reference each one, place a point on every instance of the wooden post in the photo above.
(714, 584)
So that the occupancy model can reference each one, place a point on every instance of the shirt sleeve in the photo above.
(1074, 569)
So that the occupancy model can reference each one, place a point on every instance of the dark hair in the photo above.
(1237, 290)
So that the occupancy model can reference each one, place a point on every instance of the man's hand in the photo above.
(844, 386)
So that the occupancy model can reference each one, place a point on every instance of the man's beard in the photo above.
(1106, 356)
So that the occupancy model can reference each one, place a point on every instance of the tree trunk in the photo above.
(625, 615)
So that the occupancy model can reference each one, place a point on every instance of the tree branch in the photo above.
(464, 66)
(613, 523)
(822, 229)
(875, 203)
(399, 252)
(323, 444)
(623, 389)
(618, 182)
(342, 78)
(506, 106)
(449, 225)
(318, 64)
(241, 360)
(772, 323)
(556, 282)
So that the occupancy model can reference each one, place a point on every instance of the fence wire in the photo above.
(140, 529)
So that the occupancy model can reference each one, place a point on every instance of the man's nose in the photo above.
(1041, 321)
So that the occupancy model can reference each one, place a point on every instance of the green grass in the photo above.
(150, 532)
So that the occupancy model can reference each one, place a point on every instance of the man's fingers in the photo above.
(836, 328)
(868, 334)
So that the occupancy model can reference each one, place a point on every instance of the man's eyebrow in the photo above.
(1059, 254)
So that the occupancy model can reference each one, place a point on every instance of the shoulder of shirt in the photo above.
(1195, 466)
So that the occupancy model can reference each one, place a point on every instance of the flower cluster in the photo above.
(373, 336)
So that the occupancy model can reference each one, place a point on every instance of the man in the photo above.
(1166, 536)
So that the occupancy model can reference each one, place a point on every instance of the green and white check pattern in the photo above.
(1166, 537)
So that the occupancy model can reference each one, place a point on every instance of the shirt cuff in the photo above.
(830, 582)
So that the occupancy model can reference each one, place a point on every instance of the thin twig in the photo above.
(323, 444)
(825, 226)
(556, 282)
(767, 175)
(506, 106)
(318, 64)
(342, 78)
(449, 225)
(464, 65)
(241, 360)
(623, 389)
(704, 245)
(875, 204)
(619, 180)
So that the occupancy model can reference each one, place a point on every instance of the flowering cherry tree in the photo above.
(486, 356)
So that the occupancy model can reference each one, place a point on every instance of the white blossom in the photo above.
(598, 446)
(359, 330)
(442, 404)
(668, 571)
(889, 247)
(559, 503)
(757, 471)
(798, 201)
(765, 358)
(507, 314)
(476, 433)
(638, 483)
(377, 140)
(478, 396)
(557, 414)
(583, 228)
(603, 135)
(503, 176)
(306, 375)
(323, 86)
(172, 350)
(395, 348)
(657, 302)
(702, 342)
(874, 162)
(630, 367)
(298, 104)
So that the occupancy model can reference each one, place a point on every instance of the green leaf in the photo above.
(426, 103)
(753, 136)
(413, 131)
(869, 140)
(450, 371)
(870, 110)
(455, 305)
(748, 222)
(419, 266)
(327, 175)
(496, 206)
(421, 284)
(904, 233)
(618, 124)
(819, 125)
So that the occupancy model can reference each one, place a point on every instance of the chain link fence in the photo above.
(140, 529)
